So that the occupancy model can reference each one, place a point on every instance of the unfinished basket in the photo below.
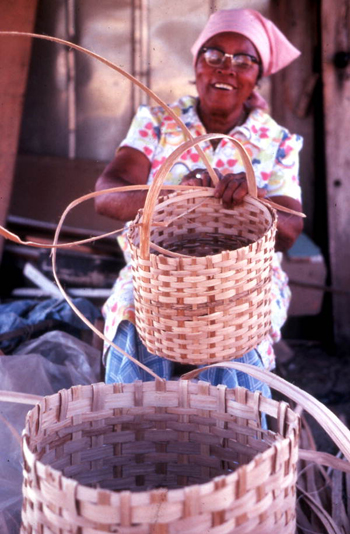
(180, 457)
(202, 274)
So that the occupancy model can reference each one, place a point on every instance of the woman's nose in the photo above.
(227, 66)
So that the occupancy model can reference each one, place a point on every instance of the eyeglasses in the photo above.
(216, 58)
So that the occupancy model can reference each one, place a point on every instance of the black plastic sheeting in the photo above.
(20, 320)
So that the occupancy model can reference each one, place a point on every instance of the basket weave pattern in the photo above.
(211, 301)
(184, 457)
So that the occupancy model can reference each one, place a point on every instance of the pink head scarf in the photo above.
(274, 48)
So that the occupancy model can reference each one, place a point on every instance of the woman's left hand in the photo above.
(232, 189)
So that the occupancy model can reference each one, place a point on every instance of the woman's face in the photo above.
(225, 88)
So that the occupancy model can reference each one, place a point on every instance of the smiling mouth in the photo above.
(223, 86)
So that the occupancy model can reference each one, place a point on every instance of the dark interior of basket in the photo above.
(158, 442)
(201, 227)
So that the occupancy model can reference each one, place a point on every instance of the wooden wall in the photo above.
(14, 62)
(293, 100)
(335, 21)
(312, 98)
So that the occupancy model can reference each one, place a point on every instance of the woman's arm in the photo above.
(289, 227)
(129, 167)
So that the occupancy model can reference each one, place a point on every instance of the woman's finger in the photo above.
(194, 178)
(204, 177)
(200, 177)
(196, 182)
(262, 192)
(229, 184)
(234, 193)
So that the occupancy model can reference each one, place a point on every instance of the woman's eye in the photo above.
(243, 62)
(239, 60)
(215, 56)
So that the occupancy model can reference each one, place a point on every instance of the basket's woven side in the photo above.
(225, 311)
(210, 308)
(219, 471)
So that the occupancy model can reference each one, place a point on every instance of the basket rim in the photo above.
(289, 443)
(175, 198)
(39, 467)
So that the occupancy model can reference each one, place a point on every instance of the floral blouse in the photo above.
(274, 153)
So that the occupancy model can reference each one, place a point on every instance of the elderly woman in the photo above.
(235, 49)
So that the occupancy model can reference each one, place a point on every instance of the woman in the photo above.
(234, 50)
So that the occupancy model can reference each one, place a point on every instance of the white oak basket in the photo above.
(219, 470)
(202, 273)
(180, 456)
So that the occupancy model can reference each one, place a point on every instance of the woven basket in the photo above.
(184, 457)
(202, 294)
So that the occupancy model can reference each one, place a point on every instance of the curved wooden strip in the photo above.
(19, 398)
(11, 236)
(71, 303)
(124, 73)
(16, 239)
(324, 458)
(325, 417)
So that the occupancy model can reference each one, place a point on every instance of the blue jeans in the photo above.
(120, 369)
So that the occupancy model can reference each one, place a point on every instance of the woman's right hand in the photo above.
(199, 178)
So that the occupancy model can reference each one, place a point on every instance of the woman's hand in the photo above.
(232, 188)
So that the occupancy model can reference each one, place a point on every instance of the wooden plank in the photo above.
(335, 21)
(41, 281)
(18, 15)
(305, 267)
(293, 90)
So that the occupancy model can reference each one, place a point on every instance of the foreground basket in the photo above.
(185, 457)
(202, 274)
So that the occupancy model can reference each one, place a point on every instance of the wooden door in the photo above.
(335, 28)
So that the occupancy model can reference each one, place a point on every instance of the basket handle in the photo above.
(160, 176)
(325, 417)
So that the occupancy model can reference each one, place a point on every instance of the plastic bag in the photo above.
(41, 366)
